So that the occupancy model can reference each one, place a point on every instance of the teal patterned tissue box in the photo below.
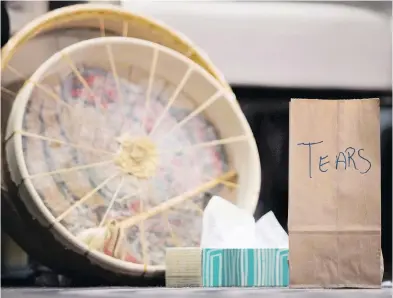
(245, 268)
(210, 267)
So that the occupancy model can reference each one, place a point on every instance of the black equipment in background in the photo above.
(5, 24)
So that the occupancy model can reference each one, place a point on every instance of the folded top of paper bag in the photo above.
(227, 226)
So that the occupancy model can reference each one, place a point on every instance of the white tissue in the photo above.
(227, 226)
(269, 233)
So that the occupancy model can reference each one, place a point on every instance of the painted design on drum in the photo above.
(95, 121)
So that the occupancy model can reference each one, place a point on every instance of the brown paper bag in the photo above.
(334, 193)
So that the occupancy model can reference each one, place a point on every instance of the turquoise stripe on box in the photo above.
(245, 267)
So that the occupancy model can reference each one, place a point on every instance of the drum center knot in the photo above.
(137, 156)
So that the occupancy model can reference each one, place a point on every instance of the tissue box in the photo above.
(208, 267)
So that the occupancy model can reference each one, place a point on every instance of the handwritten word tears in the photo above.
(349, 158)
